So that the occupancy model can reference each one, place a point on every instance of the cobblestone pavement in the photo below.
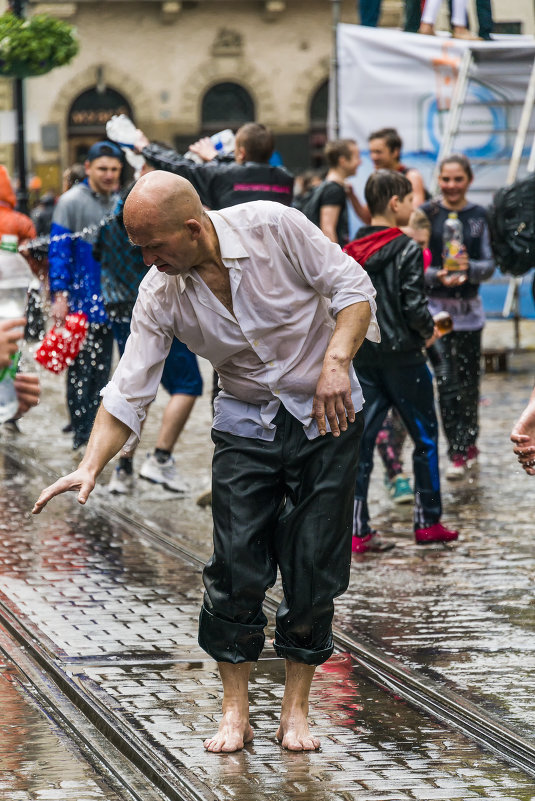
(103, 599)
(121, 616)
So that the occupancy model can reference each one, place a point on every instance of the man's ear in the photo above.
(393, 203)
(239, 154)
(87, 164)
(194, 227)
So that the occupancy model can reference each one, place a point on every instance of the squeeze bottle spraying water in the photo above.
(121, 129)
(223, 142)
(452, 237)
(15, 277)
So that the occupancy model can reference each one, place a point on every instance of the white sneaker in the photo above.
(456, 469)
(121, 482)
(164, 473)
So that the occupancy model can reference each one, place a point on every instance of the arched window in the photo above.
(226, 105)
(93, 108)
(87, 118)
(319, 107)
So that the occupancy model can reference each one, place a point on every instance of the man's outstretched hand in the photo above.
(80, 481)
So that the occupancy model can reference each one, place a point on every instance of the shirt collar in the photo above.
(230, 245)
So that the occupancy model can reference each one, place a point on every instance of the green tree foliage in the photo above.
(34, 46)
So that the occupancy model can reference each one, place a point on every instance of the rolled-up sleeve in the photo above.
(135, 382)
(329, 270)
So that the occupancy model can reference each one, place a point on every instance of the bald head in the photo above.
(163, 214)
(160, 198)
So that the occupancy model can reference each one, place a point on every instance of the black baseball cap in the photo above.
(109, 149)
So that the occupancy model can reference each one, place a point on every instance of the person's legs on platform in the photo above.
(370, 11)
(413, 15)
(484, 18)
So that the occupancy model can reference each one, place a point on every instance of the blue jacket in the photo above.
(72, 266)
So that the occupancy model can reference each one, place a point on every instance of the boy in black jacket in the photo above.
(394, 371)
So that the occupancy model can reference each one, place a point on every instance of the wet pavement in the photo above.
(120, 615)
(37, 760)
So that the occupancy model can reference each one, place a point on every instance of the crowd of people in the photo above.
(320, 339)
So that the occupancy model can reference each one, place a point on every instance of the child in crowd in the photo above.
(393, 373)
(456, 292)
(392, 435)
(419, 229)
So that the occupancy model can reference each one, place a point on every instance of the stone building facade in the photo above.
(185, 68)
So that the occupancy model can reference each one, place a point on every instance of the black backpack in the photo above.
(512, 227)
(312, 203)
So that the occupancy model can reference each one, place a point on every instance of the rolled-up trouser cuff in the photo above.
(304, 655)
(227, 641)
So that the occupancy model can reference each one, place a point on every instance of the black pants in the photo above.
(284, 504)
(457, 374)
(409, 389)
(87, 375)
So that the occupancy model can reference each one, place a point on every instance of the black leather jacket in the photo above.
(222, 183)
(397, 273)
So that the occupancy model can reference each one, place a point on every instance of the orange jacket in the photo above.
(13, 222)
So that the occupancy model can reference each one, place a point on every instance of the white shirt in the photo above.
(282, 270)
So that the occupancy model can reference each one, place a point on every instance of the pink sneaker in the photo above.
(434, 533)
(471, 456)
(370, 542)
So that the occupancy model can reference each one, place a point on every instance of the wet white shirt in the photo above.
(288, 283)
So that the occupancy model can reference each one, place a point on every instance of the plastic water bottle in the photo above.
(223, 141)
(121, 129)
(452, 237)
(15, 277)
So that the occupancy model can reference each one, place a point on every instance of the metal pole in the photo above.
(334, 133)
(523, 126)
(17, 7)
(454, 115)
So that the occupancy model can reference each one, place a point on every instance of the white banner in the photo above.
(389, 78)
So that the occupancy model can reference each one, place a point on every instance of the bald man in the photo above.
(280, 311)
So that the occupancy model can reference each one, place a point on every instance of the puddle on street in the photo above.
(37, 761)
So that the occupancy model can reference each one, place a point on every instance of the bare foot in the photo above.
(427, 29)
(294, 733)
(233, 733)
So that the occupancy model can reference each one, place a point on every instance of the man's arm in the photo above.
(107, 438)
(523, 437)
(329, 220)
(360, 209)
(165, 158)
(414, 303)
(332, 399)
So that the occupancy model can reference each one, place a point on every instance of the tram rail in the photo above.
(172, 779)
